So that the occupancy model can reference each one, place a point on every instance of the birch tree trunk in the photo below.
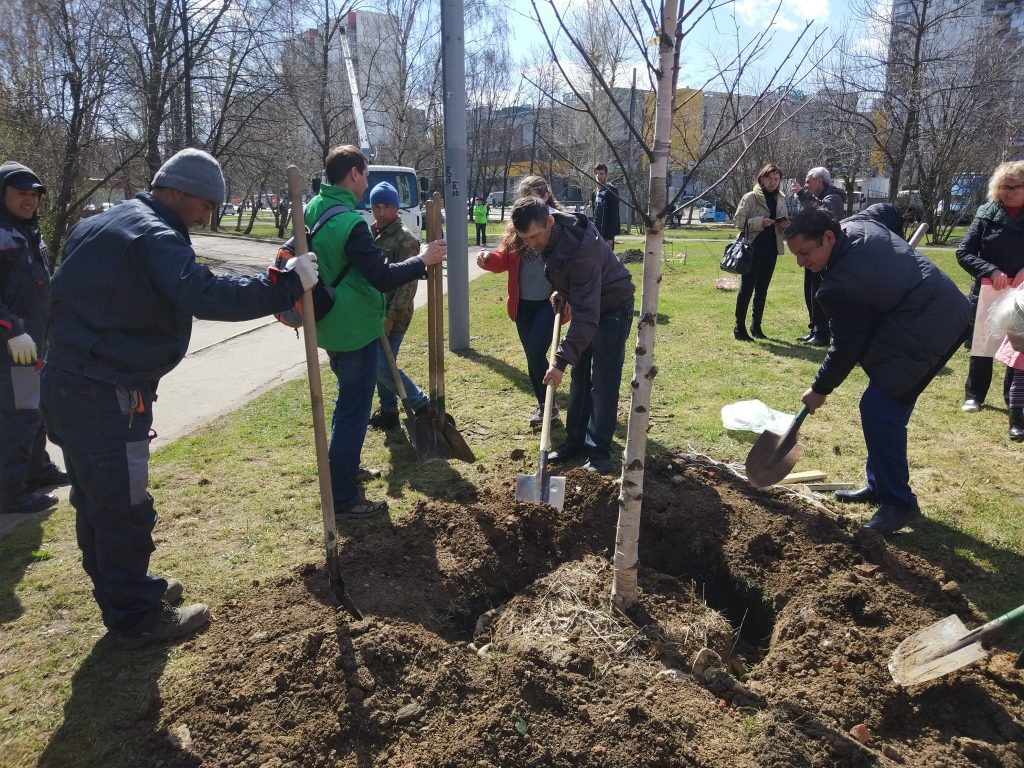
(627, 532)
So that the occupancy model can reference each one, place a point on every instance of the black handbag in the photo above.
(739, 255)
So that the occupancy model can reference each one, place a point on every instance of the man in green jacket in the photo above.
(351, 331)
(480, 211)
(398, 244)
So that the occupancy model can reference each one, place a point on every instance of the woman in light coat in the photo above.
(762, 211)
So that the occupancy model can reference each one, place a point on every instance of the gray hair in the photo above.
(820, 173)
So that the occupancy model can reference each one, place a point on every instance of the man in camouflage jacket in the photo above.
(398, 244)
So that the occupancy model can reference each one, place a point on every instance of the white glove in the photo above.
(305, 267)
(22, 349)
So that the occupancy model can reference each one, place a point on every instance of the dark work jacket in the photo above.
(891, 310)
(585, 271)
(993, 241)
(125, 293)
(606, 213)
(24, 273)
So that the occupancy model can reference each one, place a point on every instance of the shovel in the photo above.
(540, 488)
(944, 647)
(773, 456)
(446, 442)
(419, 427)
(316, 396)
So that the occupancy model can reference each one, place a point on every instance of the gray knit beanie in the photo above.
(195, 173)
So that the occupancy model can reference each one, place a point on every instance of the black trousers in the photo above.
(979, 378)
(755, 283)
(817, 320)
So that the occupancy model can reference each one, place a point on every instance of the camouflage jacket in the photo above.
(398, 244)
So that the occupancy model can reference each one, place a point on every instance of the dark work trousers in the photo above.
(884, 420)
(979, 378)
(755, 283)
(104, 431)
(817, 319)
(594, 391)
(22, 440)
(481, 234)
(534, 321)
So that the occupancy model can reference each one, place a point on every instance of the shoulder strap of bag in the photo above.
(326, 216)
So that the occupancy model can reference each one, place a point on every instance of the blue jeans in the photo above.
(884, 420)
(357, 376)
(104, 432)
(387, 393)
(594, 391)
(534, 321)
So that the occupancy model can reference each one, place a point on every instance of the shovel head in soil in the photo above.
(429, 447)
(773, 456)
(943, 647)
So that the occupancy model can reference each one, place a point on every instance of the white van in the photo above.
(407, 183)
(497, 199)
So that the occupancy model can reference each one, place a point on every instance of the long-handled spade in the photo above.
(943, 647)
(542, 488)
(316, 396)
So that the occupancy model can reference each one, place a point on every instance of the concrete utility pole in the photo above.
(453, 75)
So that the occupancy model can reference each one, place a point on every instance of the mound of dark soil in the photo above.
(761, 639)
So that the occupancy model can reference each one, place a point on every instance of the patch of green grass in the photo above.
(238, 499)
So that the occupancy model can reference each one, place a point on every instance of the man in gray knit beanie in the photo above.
(194, 172)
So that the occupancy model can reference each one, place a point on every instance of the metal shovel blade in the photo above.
(933, 652)
(429, 446)
(541, 489)
(456, 443)
(773, 456)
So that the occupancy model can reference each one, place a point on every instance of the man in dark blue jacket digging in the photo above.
(123, 300)
(895, 314)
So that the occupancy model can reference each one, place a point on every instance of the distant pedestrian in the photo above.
(818, 192)
(25, 467)
(587, 277)
(605, 203)
(480, 213)
(124, 298)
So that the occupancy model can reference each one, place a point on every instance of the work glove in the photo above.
(305, 267)
(22, 349)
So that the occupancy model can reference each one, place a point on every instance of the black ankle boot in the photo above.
(756, 332)
(1017, 424)
(740, 333)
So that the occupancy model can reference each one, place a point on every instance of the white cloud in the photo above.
(791, 16)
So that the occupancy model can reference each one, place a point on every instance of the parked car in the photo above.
(228, 210)
(711, 214)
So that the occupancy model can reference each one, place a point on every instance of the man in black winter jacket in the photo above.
(895, 314)
(605, 205)
(25, 467)
(586, 276)
(121, 317)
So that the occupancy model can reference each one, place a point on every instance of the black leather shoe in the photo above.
(51, 477)
(564, 452)
(891, 517)
(598, 466)
(740, 334)
(1017, 425)
(805, 337)
(756, 332)
(863, 495)
(817, 341)
(29, 501)
(384, 420)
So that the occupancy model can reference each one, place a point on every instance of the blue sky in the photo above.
(716, 35)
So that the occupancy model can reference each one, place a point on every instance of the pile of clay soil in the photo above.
(761, 639)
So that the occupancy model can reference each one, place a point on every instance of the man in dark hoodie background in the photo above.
(818, 192)
(585, 275)
(25, 467)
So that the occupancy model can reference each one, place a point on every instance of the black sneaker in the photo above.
(538, 416)
(51, 477)
(361, 510)
(564, 452)
(28, 502)
(384, 420)
(172, 624)
(598, 466)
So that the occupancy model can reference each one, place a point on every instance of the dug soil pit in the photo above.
(761, 638)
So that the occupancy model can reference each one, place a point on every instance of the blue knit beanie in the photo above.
(195, 173)
(384, 194)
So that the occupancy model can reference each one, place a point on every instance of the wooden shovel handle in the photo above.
(549, 394)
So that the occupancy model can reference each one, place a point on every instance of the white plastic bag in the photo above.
(755, 416)
(1006, 317)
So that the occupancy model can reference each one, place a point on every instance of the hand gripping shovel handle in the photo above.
(316, 397)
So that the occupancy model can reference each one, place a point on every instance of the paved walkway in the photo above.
(227, 364)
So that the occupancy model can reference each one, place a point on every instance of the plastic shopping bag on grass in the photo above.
(755, 416)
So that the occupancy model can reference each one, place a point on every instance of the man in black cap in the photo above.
(24, 298)
(123, 301)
